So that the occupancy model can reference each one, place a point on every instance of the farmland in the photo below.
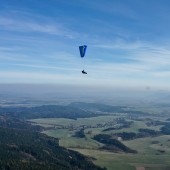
(150, 144)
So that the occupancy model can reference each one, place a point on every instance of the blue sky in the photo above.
(128, 42)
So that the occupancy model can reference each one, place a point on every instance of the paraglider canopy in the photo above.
(82, 50)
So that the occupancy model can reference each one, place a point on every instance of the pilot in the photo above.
(84, 72)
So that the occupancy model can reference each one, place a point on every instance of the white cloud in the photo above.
(45, 67)
(141, 52)
(120, 44)
(150, 63)
(27, 25)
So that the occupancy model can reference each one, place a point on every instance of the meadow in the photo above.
(153, 152)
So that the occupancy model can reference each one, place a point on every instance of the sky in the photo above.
(128, 42)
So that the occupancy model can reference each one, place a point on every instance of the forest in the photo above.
(73, 136)
(22, 146)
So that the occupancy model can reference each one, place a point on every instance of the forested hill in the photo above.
(47, 111)
(23, 149)
(71, 111)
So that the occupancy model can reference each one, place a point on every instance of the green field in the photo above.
(153, 152)
(126, 161)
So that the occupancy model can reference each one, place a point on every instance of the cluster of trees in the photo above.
(142, 133)
(120, 123)
(166, 129)
(154, 123)
(112, 144)
(79, 134)
(23, 148)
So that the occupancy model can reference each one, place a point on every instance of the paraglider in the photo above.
(84, 72)
(82, 54)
